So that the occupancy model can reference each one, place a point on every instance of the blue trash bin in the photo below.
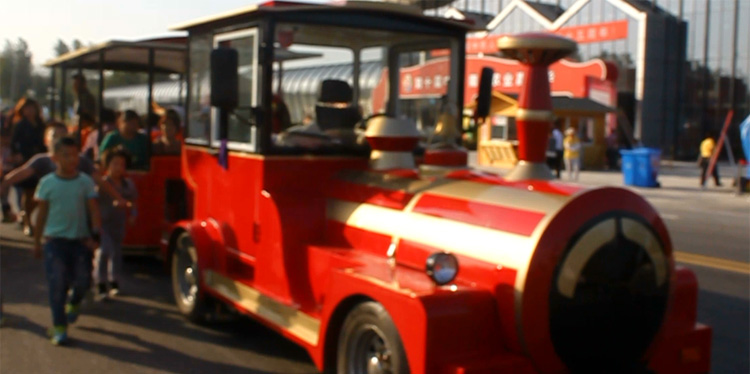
(628, 166)
(640, 167)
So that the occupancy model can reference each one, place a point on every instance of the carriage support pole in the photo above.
(100, 102)
(52, 86)
(63, 93)
(149, 104)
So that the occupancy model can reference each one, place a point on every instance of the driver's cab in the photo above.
(309, 76)
(261, 144)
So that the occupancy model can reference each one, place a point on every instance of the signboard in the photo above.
(430, 80)
(591, 33)
(596, 32)
(565, 77)
(426, 80)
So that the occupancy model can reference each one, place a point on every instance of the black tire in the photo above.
(369, 343)
(186, 282)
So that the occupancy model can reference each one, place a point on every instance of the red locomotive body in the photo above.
(376, 266)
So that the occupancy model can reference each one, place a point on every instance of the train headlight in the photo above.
(442, 267)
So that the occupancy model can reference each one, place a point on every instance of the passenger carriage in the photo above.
(161, 195)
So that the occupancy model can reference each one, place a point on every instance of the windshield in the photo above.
(328, 80)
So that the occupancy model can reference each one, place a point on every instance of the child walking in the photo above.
(114, 220)
(67, 202)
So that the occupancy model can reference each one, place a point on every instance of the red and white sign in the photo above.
(592, 33)
(565, 77)
(430, 80)
(596, 32)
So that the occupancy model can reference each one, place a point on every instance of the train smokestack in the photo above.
(536, 51)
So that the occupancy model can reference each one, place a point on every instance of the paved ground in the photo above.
(142, 332)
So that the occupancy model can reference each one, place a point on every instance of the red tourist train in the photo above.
(378, 251)
(375, 265)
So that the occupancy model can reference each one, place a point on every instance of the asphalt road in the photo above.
(139, 332)
(142, 332)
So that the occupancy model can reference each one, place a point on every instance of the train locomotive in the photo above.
(387, 263)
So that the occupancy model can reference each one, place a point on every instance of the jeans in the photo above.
(109, 257)
(573, 166)
(67, 263)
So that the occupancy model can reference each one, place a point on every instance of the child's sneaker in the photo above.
(58, 335)
(114, 289)
(101, 292)
(72, 312)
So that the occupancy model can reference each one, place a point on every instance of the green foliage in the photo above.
(15, 70)
(61, 48)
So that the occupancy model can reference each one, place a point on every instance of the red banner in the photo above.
(596, 32)
(430, 80)
(592, 33)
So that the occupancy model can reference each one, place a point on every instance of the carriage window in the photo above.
(198, 118)
(242, 126)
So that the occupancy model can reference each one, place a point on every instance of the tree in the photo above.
(61, 48)
(15, 70)
(23, 67)
(77, 44)
(7, 67)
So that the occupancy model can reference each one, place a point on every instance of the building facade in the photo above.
(683, 64)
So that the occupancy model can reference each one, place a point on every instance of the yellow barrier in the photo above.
(497, 153)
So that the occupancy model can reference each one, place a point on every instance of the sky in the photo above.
(42, 22)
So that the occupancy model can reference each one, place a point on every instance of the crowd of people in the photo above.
(75, 178)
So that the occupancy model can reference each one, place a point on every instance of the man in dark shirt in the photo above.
(85, 102)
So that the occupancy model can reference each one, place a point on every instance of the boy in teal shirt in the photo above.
(67, 201)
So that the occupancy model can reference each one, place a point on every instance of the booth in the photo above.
(497, 139)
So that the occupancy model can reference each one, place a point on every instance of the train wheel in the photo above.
(369, 343)
(186, 280)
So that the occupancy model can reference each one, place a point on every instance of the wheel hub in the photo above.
(189, 276)
(373, 366)
(371, 354)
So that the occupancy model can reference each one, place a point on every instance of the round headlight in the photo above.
(442, 267)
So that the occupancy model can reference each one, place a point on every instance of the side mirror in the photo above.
(485, 93)
(224, 78)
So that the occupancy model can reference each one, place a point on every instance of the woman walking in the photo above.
(27, 139)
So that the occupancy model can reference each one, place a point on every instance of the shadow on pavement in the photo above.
(156, 356)
(233, 331)
(14, 321)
